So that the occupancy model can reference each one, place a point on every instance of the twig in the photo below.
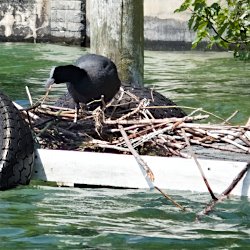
(146, 130)
(45, 128)
(29, 95)
(245, 149)
(45, 106)
(141, 162)
(186, 107)
(56, 113)
(171, 199)
(132, 127)
(230, 117)
(149, 174)
(46, 94)
(224, 194)
(141, 104)
(166, 141)
(152, 95)
(39, 124)
(155, 121)
(248, 123)
(214, 126)
(215, 146)
(244, 139)
(99, 117)
(118, 101)
(111, 147)
(153, 134)
(216, 136)
(104, 105)
(20, 108)
(195, 111)
(199, 166)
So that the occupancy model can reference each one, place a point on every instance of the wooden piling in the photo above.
(116, 31)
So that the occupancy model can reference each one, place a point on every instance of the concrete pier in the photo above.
(67, 21)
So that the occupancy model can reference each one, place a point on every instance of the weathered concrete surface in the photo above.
(25, 19)
(65, 21)
(164, 29)
(116, 30)
(68, 21)
(43, 20)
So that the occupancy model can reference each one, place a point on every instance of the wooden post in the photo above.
(116, 31)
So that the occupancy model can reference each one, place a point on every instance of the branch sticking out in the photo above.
(224, 194)
(150, 176)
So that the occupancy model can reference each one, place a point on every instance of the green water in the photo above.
(212, 81)
(71, 218)
(41, 217)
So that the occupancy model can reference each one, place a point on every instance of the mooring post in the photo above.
(116, 31)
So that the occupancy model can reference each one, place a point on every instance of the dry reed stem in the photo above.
(198, 165)
(143, 164)
(142, 128)
(224, 194)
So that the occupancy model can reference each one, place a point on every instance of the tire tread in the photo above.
(15, 137)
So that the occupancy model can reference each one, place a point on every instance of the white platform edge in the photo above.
(118, 170)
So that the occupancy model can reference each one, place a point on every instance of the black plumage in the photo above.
(92, 77)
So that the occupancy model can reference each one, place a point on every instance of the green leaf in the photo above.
(191, 21)
(184, 6)
(222, 29)
(216, 7)
(200, 5)
(228, 20)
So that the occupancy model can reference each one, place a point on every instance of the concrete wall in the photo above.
(164, 29)
(42, 20)
(27, 19)
(65, 21)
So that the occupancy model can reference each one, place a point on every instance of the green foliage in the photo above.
(225, 23)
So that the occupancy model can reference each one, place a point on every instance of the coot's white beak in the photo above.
(49, 82)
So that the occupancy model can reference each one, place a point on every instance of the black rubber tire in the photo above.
(16, 146)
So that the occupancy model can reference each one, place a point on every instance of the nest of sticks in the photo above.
(106, 130)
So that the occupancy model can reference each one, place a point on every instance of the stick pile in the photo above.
(98, 130)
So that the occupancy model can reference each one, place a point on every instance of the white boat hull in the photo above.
(69, 168)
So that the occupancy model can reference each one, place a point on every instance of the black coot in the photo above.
(91, 77)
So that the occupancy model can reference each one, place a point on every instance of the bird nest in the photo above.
(114, 128)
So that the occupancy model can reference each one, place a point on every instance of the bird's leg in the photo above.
(103, 105)
(77, 107)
